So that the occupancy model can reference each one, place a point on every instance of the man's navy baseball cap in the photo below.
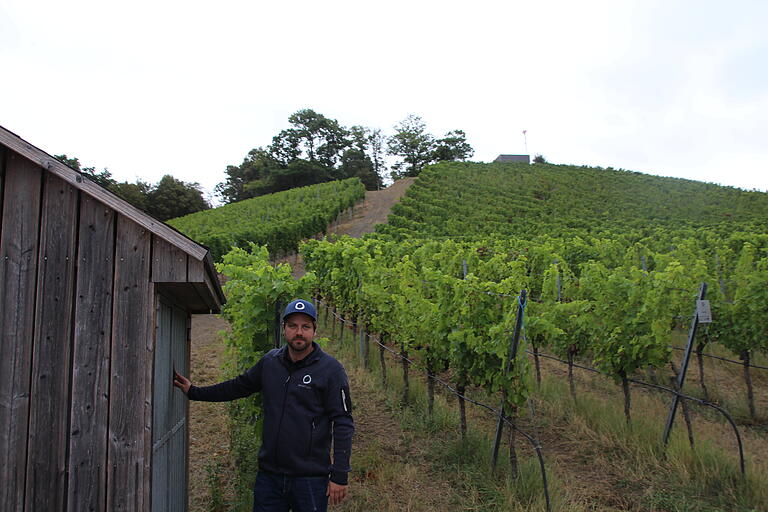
(300, 306)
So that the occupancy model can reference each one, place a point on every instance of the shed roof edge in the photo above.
(80, 182)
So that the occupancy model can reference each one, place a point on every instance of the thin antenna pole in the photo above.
(525, 140)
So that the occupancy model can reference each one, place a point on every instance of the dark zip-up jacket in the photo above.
(304, 405)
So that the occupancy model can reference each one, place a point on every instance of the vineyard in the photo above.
(615, 299)
(611, 264)
(279, 221)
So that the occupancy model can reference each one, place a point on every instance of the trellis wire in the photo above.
(668, 390)
(740, 363)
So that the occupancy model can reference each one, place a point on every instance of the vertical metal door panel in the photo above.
(169, 464)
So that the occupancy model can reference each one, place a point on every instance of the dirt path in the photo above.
(208, 430)
(374, 210)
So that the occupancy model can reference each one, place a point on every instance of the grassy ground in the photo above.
(593, 460)
(405, 460)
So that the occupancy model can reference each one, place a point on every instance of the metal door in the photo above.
(169, 421)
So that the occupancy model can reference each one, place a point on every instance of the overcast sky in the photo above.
(675, 88)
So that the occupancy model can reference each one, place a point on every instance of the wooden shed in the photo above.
(95, 305)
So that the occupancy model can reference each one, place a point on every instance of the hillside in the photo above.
(460, 200)
(612, 262)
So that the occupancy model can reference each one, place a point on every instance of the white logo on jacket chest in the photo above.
(307, 379)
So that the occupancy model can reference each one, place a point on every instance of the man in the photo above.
(305, 403)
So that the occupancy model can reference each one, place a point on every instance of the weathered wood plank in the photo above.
(49, 399)
(152, 300)
(169, 263)
(3, 152)
(130, 361)
(75, 179)
(19, 231)
(195, 271)
(90, 368)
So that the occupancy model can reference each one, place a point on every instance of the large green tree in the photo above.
(312, 136)
(365, 158)
(256, 167)
(172, 198)
(355, 163)
(413, 145)
(135, 193)
(376, 150)
(453, 146)
(316, 148)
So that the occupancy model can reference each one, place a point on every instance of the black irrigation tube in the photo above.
(740, 363)
(536, 445)
(674, 392)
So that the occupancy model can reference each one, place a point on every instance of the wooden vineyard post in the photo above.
(354, 333)
(382, 362)
(364, 346)
(697, 317)
(507, 367)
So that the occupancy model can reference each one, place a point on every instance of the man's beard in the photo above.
(298, 349)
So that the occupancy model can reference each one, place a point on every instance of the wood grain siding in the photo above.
(169, 263)
(18, 269)
(49, 399)
(195, 271)
(3, 152)
(90, 361)
(130, 360)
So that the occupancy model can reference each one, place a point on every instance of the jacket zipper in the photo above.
(282, 414)
(311, 438)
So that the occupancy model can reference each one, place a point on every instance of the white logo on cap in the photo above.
(307, 379)
(299, 305)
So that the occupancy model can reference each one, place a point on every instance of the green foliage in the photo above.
(103, 178)
(278, 221)
(256, 166)
(174, 198)
(413, 145)
(135, 193)
(612, 261)
(316, 137)
(253, 288)
(315, 149)
(355, 163)
(453, 146)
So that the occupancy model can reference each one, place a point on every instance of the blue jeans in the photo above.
(280, 493)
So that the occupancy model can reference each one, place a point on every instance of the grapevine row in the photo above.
(279, 221)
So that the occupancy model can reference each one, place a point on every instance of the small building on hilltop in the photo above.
(95, 305)
(505, 159)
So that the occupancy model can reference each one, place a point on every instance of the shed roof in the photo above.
(82, 183)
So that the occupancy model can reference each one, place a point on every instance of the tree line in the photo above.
(167, 199)
(316, 149)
